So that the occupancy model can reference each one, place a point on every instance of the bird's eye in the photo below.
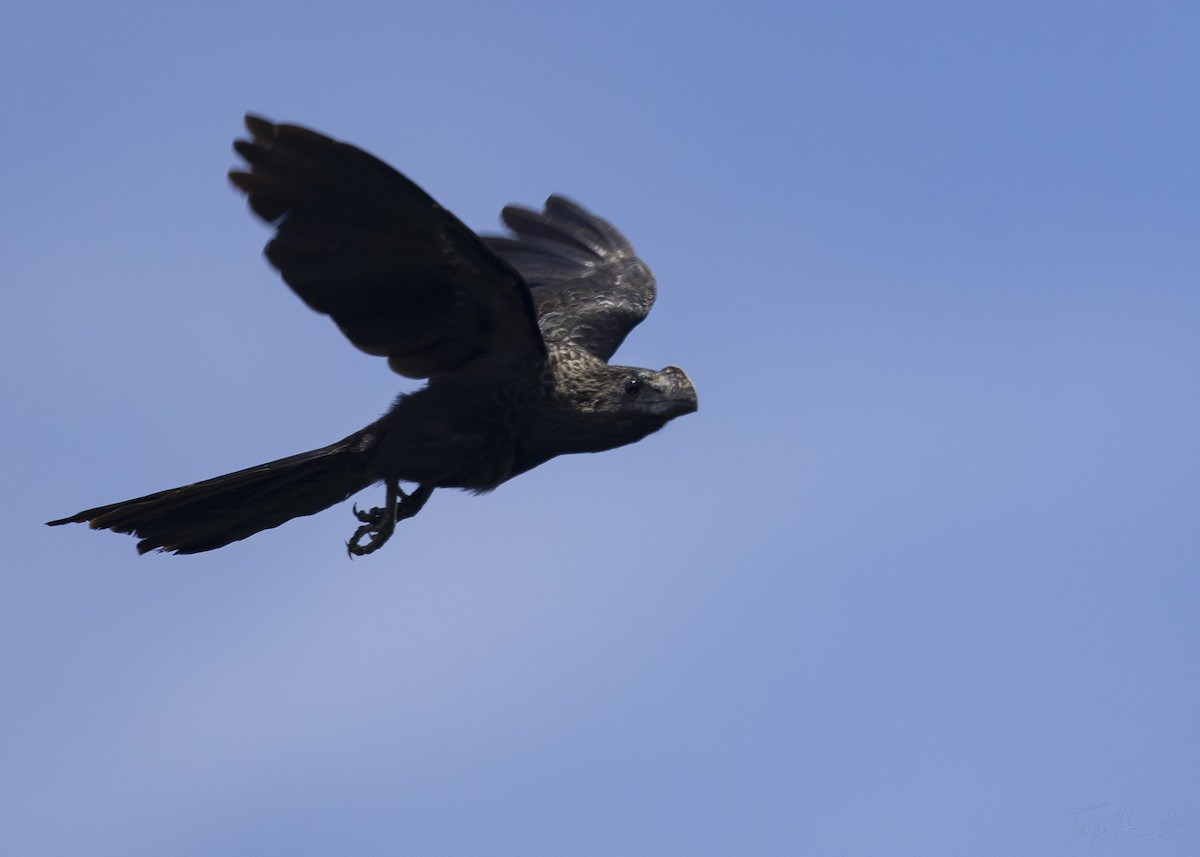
(632, 385)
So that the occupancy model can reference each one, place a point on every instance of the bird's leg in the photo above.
(380, 522)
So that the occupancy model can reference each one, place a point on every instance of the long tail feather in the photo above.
(215, 512)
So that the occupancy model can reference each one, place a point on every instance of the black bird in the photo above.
(513, 334)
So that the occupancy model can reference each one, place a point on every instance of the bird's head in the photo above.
(601, 406)
(617, 405)
(644, 393)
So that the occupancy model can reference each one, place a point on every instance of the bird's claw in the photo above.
(378, 527)
(379, 523)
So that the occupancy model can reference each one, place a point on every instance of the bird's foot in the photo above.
(378, 527)
(380, 522)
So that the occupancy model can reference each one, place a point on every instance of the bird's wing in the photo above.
(402, 277)
(589, 286)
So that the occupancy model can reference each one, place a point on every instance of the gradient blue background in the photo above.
(920, 576)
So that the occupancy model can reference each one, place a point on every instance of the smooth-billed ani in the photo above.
(514, 335)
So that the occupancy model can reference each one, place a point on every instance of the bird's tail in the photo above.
(215, 512)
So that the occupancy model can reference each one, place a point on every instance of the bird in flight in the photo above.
(512, 333)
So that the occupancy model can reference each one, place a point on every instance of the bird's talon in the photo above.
(369, 516)
(378, 524)
(377, 540)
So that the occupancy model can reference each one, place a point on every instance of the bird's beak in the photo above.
(681, 399)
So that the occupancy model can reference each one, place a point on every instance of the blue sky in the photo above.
(919, 577)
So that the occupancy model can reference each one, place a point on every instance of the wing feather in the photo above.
(402, 277)
(589, 286)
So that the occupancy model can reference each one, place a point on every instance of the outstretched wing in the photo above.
(589, 286)
(402, 277)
